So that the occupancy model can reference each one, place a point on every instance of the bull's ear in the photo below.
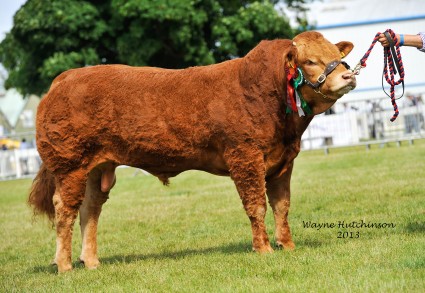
(345, 48)
(291, 56)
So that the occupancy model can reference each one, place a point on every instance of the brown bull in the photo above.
(226, 119)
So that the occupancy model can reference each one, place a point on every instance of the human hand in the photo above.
(383, 40)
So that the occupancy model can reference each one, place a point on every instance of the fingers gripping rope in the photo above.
(392, 63)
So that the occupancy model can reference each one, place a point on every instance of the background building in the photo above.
(18, 115)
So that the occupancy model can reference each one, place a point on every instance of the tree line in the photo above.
(51, 36)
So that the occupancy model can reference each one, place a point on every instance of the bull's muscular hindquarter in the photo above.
(226, 119)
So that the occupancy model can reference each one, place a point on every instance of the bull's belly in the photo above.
(166, 162)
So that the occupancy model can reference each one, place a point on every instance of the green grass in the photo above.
(194, 236)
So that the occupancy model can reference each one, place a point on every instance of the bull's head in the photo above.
(326, 77)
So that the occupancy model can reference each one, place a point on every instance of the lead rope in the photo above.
(392, 60)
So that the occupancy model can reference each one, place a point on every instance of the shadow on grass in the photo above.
(53, 269)
(309, 243)
(229, 249)
(232, 248)
(415, 227)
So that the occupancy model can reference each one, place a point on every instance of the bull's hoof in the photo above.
(64, 268)
(263, 249)
(91, 264)
(288, 245)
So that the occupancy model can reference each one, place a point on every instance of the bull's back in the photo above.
(127, 112)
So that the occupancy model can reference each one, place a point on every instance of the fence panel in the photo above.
(356, 122)
(19, 163)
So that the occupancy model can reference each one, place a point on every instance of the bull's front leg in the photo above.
(247, 170)
(279, 194)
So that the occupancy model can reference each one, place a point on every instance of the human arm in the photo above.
(416, 41)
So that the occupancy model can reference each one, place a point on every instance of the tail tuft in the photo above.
(41, 194)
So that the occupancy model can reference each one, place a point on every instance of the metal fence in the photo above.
(19, 163)
(360, 122)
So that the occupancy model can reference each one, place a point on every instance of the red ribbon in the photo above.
(290, 75)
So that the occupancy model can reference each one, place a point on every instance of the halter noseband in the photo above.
(322, 77)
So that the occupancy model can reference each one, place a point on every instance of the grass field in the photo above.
(194, 236)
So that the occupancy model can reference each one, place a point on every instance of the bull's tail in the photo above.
(41, 194)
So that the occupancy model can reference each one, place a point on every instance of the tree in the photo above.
(51, 36)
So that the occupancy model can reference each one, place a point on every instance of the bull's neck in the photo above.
(263, 78)
(294, 127)
(316, 101)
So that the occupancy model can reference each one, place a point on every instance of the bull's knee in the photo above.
(260, 239)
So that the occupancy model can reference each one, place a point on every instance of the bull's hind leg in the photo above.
(248, 172)
(67, 199)
(89, 215)
(279, 194)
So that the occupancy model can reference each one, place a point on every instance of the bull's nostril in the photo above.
(347, 75)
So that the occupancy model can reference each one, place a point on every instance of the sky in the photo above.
(7, 9)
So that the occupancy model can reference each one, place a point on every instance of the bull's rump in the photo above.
(134, 115)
